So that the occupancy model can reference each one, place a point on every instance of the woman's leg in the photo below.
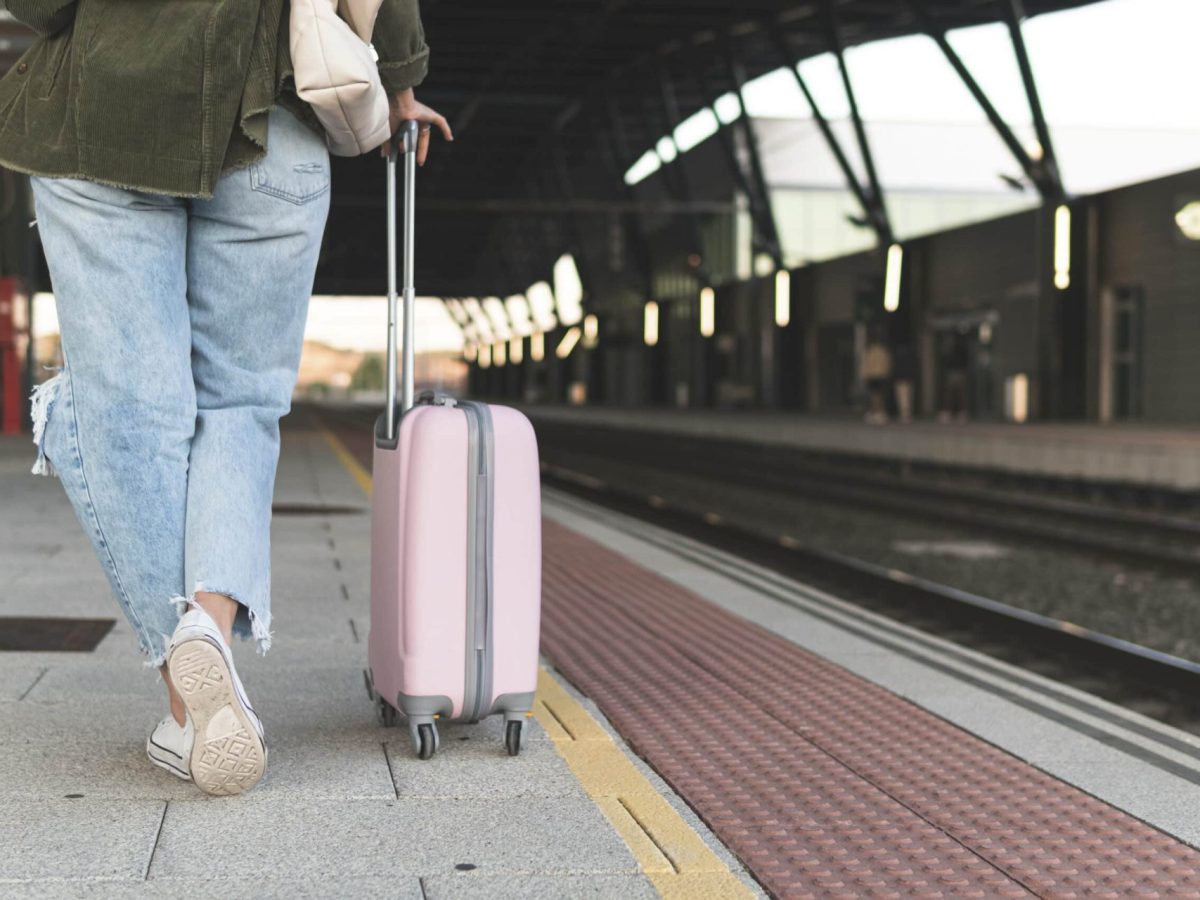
(116, 424)
(251, 256)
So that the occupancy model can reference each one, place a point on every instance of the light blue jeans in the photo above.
(182, 322)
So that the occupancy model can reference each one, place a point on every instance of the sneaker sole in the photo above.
(228, 756)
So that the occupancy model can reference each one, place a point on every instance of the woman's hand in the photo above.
(405, 105)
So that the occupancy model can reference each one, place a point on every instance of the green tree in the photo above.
(370, 374)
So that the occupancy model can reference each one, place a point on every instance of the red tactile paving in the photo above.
(823, 783)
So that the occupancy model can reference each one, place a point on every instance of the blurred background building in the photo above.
(1005, 198)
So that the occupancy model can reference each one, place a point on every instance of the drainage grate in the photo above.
(315, 509)
(19, 633)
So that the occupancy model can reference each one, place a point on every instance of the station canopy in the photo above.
(551, 102)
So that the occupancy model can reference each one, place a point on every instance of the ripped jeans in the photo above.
(182, 322)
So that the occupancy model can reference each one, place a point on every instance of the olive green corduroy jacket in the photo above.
(165, 95)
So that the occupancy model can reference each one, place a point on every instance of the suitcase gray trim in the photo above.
(487, 664)
(471, 677)
(423, 705)
(480, 503)
(381, 439)
(514, 705)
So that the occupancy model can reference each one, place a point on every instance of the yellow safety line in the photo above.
(361, 475)
(678, 862)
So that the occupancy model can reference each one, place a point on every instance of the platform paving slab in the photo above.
(77, 838)
(538, 887)
(403, 888)
(18, 677)
(473, 767)
(321, 768)
(392, 837)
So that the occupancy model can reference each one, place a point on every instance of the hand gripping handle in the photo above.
(403, 141)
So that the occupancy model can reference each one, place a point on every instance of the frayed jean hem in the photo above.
(247, 624)
(40, 401)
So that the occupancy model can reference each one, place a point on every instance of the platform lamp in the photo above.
(567, 344)
(1062, 247)
(537, 346)
(783, 298)
(891, 282)
(708, 311)
(650, 323)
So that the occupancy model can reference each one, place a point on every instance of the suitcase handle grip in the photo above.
(404, 141)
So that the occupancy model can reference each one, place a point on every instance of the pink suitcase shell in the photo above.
(455, 568)
(456, 541)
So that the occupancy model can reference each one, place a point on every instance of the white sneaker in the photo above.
(228, 754)
(170, 745)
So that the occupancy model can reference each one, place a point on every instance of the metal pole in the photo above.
(410, 295)
(390, 413)
(878, 208)
(408, 135)
(668, 114)
(826, 130)
(762, 229)
(611, 146)
(937, 33)
(1014, 13)
(767, 214)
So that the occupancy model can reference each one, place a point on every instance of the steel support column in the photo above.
(614, 146)
(567, 188)
(1014, 14)
(676, 172)
(764, 227)
(878, 209)
(737, 78)
(1044, 177)
(861, 194)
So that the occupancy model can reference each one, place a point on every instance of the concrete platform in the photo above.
(346, 809)
(1149, 456)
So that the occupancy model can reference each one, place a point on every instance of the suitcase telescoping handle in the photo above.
(403, 141)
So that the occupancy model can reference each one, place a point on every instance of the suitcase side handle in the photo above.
(403, 141)
(436, 398)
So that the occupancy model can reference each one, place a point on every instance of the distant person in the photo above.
(877, 371)
(904, 373)
(955, 360)
(181, 190)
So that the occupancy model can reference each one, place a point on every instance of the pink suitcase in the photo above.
(456, 551)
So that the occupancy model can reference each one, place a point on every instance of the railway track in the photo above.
(1162, 542)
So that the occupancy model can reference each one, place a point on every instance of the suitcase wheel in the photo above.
(427, 741)
(385, 713)
(512, 736)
